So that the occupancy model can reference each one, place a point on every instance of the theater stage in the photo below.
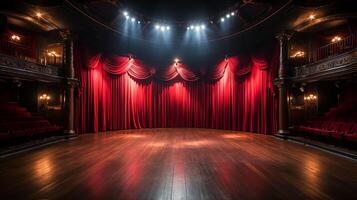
(177, 164)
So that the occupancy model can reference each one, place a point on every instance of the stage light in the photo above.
(311, 17)
(232, 13)
(162, 28)
(228, 16)
(125, 13)
(203, 27)
(38, 14)
(188, 28)
(167, 27)
(157, 27)
(222, 19)
(133, 19)
(127, 17)
(197, 28)
(139, 22)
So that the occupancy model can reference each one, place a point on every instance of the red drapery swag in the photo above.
(121, 93)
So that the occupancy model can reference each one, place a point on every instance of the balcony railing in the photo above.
(14, 65)
(335, 48)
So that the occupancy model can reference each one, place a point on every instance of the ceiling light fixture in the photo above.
(311, 17)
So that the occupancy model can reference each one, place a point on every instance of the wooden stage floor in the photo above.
(177, 164)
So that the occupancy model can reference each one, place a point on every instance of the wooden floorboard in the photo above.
(177, 164)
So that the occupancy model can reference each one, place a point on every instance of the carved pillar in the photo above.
(70, 82)
(282, 83)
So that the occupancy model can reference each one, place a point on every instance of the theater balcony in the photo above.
(35, 51)
(323, 69)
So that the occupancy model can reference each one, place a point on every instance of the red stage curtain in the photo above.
(223, 100)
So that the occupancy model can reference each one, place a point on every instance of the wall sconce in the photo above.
(15, 38)
(298, 54)
(336, 39)
(45, 97)
(310, 98)
(52, 53)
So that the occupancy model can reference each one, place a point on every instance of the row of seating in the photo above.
(340, 122)
(17, 122)
(338, 130)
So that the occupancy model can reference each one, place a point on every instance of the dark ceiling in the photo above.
(101, 22)
(177, 10)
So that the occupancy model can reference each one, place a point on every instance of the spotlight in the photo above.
(228, 16)
(139, 22)
(232, 13)
(167, 27)
(192, 27)
(176, 60)
(203, 27)
(125, 13)
(157, 27)
(197, 28)
(222, 19)
(133, 19)
(162, 28)
(127, 17)
(188, 28)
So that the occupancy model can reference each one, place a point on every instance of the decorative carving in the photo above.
(72, 82)
(18, 64)
(326, 65)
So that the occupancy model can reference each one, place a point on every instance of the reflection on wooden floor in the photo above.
(177, 164)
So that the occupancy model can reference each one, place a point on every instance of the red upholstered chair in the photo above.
(341, 129)
(352, 135)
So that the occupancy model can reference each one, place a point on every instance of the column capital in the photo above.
(65, 34)
(281, 82)
(71, 82)
(284, 35)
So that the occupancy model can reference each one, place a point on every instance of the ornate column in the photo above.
(282, 82)
(70, 82)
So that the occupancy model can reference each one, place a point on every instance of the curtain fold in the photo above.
(117, 64)
(113, 95)
(139, 71)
